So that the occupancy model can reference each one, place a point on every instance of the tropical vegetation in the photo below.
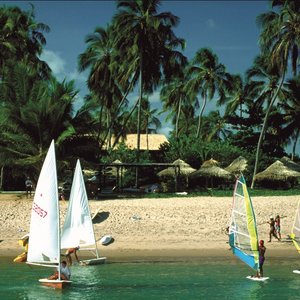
(256, 114)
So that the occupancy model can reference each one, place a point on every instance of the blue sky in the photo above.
(227, 27)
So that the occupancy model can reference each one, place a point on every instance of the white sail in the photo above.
(44, 242)
(78, 227)
(295, 235)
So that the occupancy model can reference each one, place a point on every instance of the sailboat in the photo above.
(295, 235)
(243, 238)
(44, 233)
(78, 227)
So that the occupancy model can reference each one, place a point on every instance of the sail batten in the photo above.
(243, 237)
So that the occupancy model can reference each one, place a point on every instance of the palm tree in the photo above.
(174, 97)
(291, 109)
(215, 127)
(146, 42)
(280, 37)
(21, 38)
(34, 113)
(239, 95)
(208, 76)
(99, 59)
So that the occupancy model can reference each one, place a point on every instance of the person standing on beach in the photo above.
(28, 184)
(262, 251)
(272, 229)
(72, 251)
(277, 227)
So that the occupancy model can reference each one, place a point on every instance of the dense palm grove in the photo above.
(138, 50)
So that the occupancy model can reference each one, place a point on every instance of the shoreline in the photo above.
(172, 229)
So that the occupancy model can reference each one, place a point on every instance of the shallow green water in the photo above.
(209, 278)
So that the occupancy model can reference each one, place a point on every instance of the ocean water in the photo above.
(206, 278)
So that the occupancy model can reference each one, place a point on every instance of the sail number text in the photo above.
(42, 213)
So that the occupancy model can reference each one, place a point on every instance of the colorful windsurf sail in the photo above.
(295, 235)
(243, 237)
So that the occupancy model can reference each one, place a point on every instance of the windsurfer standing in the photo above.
(262, 250)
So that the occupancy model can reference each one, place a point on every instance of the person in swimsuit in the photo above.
(262, 251)
(68, 255)
(272, 229)
(277, 226)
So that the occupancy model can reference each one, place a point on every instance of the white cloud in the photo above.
(55, 62)
(80, 77)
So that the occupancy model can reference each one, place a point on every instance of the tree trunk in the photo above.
(139, 125)
(178, 116)
(1, 178)
(200, 116)
(295, 144)
(116, 112)
(264, 127)
(122, 129)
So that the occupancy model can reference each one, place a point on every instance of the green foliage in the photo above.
(195, 152)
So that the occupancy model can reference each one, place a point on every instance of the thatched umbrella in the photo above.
(182, 168)
(290, 164)
(277, 172)
(237, 166)
(211, 170)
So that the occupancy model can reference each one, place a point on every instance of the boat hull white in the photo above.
(296, 271)
(58, 284)
(94, 261)
(258, 278)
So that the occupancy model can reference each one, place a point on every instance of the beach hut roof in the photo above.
(290, 164)
(209, 163)
(278, 172)
(184, 169)
(237, 166)
(151, 142)
(211, 170)
(116, 162)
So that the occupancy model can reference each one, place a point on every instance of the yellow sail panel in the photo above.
(251, 224)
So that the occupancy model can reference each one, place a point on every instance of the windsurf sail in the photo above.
(295, 235)
(243, 238)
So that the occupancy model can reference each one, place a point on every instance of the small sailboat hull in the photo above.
(94, 261)
(257, 278)
(21, 258)
(296, 271)
(57, 284)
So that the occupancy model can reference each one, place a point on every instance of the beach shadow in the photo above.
(100, 217)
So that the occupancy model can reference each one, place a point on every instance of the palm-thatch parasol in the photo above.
(211, 170)
(290, 164)
(277, 172)
(237, 166)
(182, 168)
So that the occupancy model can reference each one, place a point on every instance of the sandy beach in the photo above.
(180, 227)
